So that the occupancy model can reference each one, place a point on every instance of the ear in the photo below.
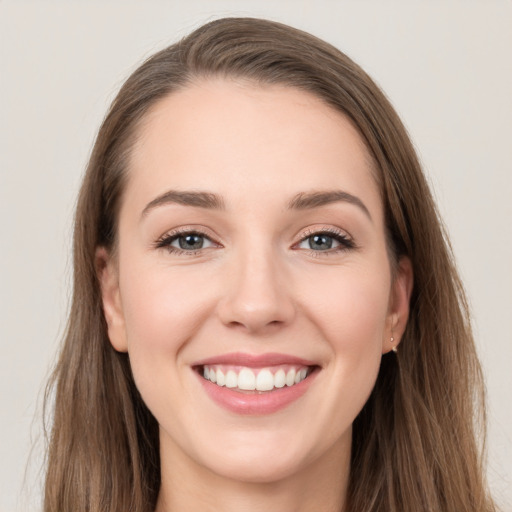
(399, 305)
(108, 277)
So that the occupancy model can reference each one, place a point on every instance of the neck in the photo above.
(319, 485)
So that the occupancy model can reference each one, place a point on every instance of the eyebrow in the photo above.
(309, 200)
(211, 201)
(186, 198)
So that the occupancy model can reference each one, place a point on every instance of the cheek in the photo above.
(352, 309)
(352, 320)
(162, 308)
(162, 305)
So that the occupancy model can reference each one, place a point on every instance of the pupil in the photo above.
(189, 242)
(322, 242)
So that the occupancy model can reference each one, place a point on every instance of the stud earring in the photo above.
(394, 349)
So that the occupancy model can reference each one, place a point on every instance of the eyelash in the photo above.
(345, 242)
(165, 241)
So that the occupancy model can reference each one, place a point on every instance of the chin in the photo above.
(258, 470)
(270, 459)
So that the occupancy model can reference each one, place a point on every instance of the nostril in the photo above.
(255, 312)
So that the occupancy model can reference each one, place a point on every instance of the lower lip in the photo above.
(256, 403)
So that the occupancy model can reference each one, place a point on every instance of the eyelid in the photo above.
(319, 229)
(345, 240)
(165, 240)
(342, 236)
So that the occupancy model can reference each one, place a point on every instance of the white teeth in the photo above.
(247, 379)
(231, 379)
(264, 380)
(279, 379)
(290, 378)
(300, 375)
(221, 379)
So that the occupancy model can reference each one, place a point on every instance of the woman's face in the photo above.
(252, 250)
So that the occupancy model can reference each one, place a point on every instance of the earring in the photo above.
(394, 349)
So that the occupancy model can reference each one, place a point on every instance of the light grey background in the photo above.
(447, 67)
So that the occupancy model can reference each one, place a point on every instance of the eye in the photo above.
(318, 242)
(326, 241)
(185, 242)
(190, 242)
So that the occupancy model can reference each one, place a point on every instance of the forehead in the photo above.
(227, 136)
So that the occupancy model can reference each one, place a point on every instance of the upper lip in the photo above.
(255, 360)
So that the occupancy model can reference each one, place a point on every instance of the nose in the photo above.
(257, 297)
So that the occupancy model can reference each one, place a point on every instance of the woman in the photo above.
(266, 314)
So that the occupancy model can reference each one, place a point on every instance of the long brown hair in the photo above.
(416, 443)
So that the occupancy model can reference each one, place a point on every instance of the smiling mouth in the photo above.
(255, 380)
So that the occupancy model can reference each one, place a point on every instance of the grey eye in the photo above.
(191, 242)
(319, 242)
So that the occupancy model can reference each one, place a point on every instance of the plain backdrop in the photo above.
(446, 66)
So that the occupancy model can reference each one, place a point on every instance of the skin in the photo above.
(256, 286)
